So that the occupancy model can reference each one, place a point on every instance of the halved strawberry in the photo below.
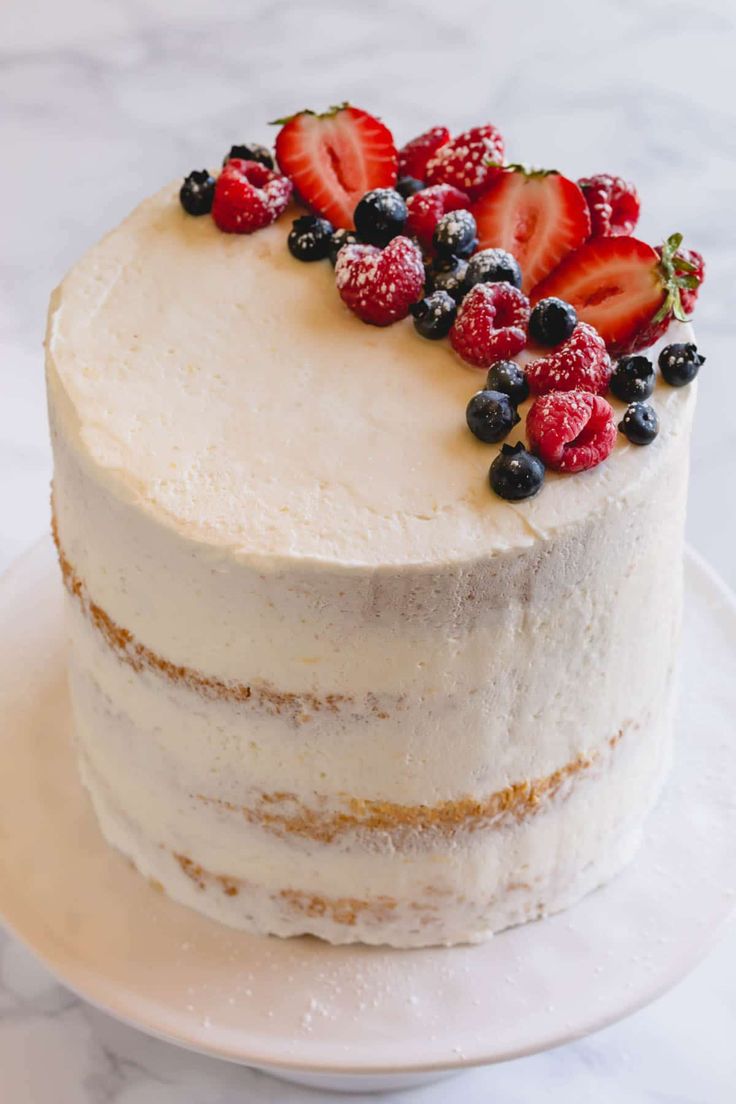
(624, 288)
(536, 215)
(334, 158)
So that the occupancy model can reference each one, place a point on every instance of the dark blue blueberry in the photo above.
(640, 423)
(408, 186)
(491, 415)
(433, 316)
(456, 234)
(448, 275)
(633, 379)
(197, 192)
(552, 321)
(516, 473)
(251, 152)
(310, 238)
(380, 216)
(339, 239)
(493, 266)
(508, 377)
(680, 364)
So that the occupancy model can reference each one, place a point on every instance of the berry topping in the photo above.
(252, 152)
(470, 161)
(448, 274)
(407, 186)
(624, 288)
(613, 204)
(310, 238)
(380, 285)
(580, 362)
(508, 377)
(491, 324)
(491, 415)
(680, 364)
(640, 423)
(633, 379)
(339, 239)
(197, 192)
(333, 159)
(492, 266)
(427, 207)
(571, 430)
(552, 321)
(455, 235)
(248, 196)
(380, 216)
(687, 262)
(434, 316)
(538, 216)
(413, 157)
(515, 473)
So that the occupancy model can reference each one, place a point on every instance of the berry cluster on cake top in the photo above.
(496, 257)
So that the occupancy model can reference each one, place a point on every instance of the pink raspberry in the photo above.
(613, 204)
(470, 161)
(248, 196)
(413, 157)
(491, 324)
(580, 363)
(426, 208)
(571, 431)
(380, 285)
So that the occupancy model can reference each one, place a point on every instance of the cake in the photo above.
(324, 680)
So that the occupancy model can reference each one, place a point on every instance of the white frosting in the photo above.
(263, 489)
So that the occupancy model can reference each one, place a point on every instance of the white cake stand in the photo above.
(355, 1017)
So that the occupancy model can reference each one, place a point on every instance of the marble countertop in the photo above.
(102, 100)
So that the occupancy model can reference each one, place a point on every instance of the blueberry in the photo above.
(197, 192)
(433, 316)
(516, 473)
(408, 186)
(633, 379)
(493, 266)
(380, 216)
(640, 423)
(680, 364)
(310, 238)
(339, 239)
(251, 152)
(552, 321)
(456, 234)
(491, 415)
(509, 378)
(448, 275)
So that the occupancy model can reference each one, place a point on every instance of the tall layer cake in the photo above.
(324, 680)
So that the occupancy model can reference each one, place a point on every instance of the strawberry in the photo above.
(469, 162)
(248, 196)
(413, 157)
(688, 262)
(426, 208)
(580, 363)
(536, 215)
(613, 204)
(491, 324)
(379, 285)
(333, 159)
(625, 289)
(571, 431)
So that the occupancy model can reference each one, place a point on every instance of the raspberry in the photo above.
(248, 196)
(613, 204)
(571, 431)
(581, 363)
(464, 161)
(491, 324)
(380, 285)
(413, 157)
(426, 208)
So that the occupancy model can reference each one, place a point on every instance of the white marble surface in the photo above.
(102, 101)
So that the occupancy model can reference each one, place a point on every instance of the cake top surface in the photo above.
(227, 389)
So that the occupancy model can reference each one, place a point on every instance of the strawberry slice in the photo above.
(536, 215)
(624, 288)
(333, 159)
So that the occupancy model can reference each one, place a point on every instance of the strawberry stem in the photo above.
(526, 170)
(334, 110)
(676, 272)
